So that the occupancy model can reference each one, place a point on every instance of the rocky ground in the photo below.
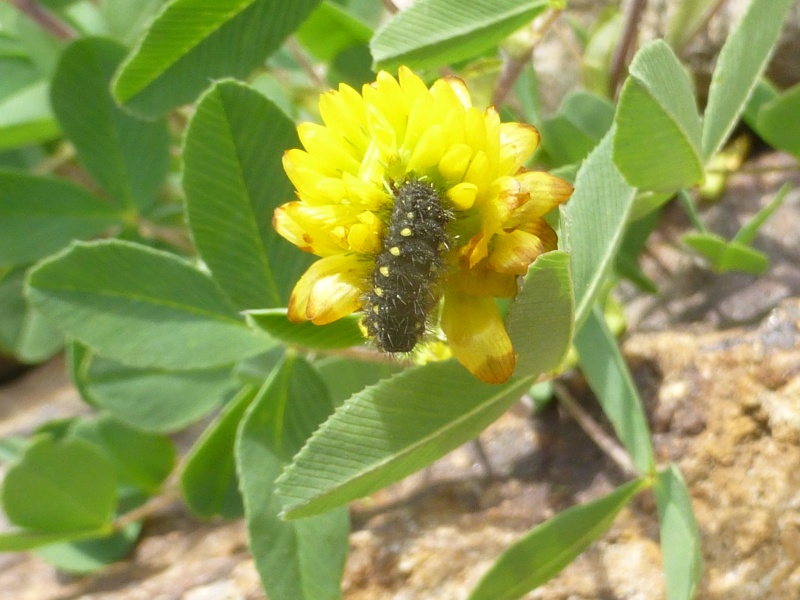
(717, 359)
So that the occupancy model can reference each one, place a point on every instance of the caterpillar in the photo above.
(404, 285)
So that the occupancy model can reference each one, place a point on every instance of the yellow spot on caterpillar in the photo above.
(384, 271)
(378, 292)
(405, 232)
(409, 215)
(375, 309)
(394, 251)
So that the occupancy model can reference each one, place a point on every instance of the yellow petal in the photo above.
(449, 95)
(419, 120)
(455, 162)
(475, 130)
(453, 127)
(482, 281)
(517, 143)
(513, 252)
(462, 195)
(429, 150)
(345, 113)
(365, 194)
(322, 230)
(541, 193)
(385, 107)
(315, 184)
(542, 230)
(330, 289)
(324, 143)
(479, 171)
(491, 122)
(460, 90)
(477, 336)
(381, 130)
(363, 238)
(412, 86)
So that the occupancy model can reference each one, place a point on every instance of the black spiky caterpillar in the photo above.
(404, 285)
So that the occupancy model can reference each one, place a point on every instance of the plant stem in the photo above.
(44, 18)
(514, 65)
(604, 441)
(624, 49)
(690, 209)
(299, 55)
(153, 506)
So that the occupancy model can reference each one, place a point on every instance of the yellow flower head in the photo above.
(416, 200)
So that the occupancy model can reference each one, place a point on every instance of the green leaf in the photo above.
(594, 224)
(39, 215)
(12, 447)
(192, 42)
(346, 376)
(87, 556)
(539, 321)
(26, 118)
(301, 559)
(432, 33)
(680, 536)
(778, 124)
(578, 126)
(352, 66)
(127, 20)
(389, 431)
(657, 114)
(140, 459)
(762, 93)
(748, 232)
(151, 399)
(127, 156)
(329, 30)
(21, 540)
(23, 331)
(727, 256)
(342, 333)
(687, 18)
(234, 180)
(604, 367)
(741, 62)
(551, 546)
(60, 487)
(209, 483)
(141, 307)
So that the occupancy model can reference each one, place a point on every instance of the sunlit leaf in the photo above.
(24, 333)
(741, 62)
(342, 333)
(234, 179)
(389, 431)
(680, 535)
(605, 369)
(551, 546)
(107, 295)
(140, 459)
(594, 224)
(778, 124)
(193, 42)
(39, 215)
(209, 482)
(60, 487)
(657, 140)
(540, 320)
(152, 398)
(432, 33)
(300, 559)
(129, 157)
